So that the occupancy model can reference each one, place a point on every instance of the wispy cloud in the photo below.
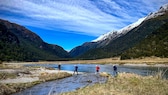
(89, 17)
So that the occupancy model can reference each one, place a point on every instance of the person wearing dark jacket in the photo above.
(76, 69)
(59, 66)
(115, 70)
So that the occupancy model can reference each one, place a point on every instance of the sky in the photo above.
(70, 23)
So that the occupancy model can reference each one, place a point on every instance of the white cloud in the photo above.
(81, 16)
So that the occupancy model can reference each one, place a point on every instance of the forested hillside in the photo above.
(19, 44)
(155, 44)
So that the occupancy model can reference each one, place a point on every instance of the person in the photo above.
(59, 66)
(97, 69)
(76, 69)
(115, 70)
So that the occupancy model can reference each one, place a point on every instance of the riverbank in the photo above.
(115, 60)
(127, 84)
(15, 78)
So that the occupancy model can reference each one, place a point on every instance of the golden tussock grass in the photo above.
(127, 84)
(114, 60)
(53, 76)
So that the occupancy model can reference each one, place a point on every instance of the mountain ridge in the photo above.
(112, 48)
(27, 47)
(119, 32)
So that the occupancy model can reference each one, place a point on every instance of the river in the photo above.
(143, 70)
(87, 78)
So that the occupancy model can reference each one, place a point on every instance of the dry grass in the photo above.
(53, 76)
(114, 60)
(10, 66)
(7, 89)
(4, 75)
(126, 84)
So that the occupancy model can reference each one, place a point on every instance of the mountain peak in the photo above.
(163, 9)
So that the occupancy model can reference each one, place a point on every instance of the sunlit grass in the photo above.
(4, 75)
(127, 84)
(53, 76)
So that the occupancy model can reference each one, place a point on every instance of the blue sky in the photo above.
(70, 23)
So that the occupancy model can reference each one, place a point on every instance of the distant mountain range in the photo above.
(19, 44)
(123, 42)
(146, 37)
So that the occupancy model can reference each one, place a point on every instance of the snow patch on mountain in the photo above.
(114, 34)
(105, 36)
(131, 26)
(163, 9)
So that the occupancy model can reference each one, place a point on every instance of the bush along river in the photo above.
(87, 78)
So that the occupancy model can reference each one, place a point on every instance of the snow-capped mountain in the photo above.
(116, 34)
(115, 42)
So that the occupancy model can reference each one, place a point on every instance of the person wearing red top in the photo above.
(97, 68)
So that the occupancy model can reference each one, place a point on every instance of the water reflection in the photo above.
(90, 68)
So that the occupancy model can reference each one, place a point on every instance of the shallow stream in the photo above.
(63, 85)
(87, 78)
